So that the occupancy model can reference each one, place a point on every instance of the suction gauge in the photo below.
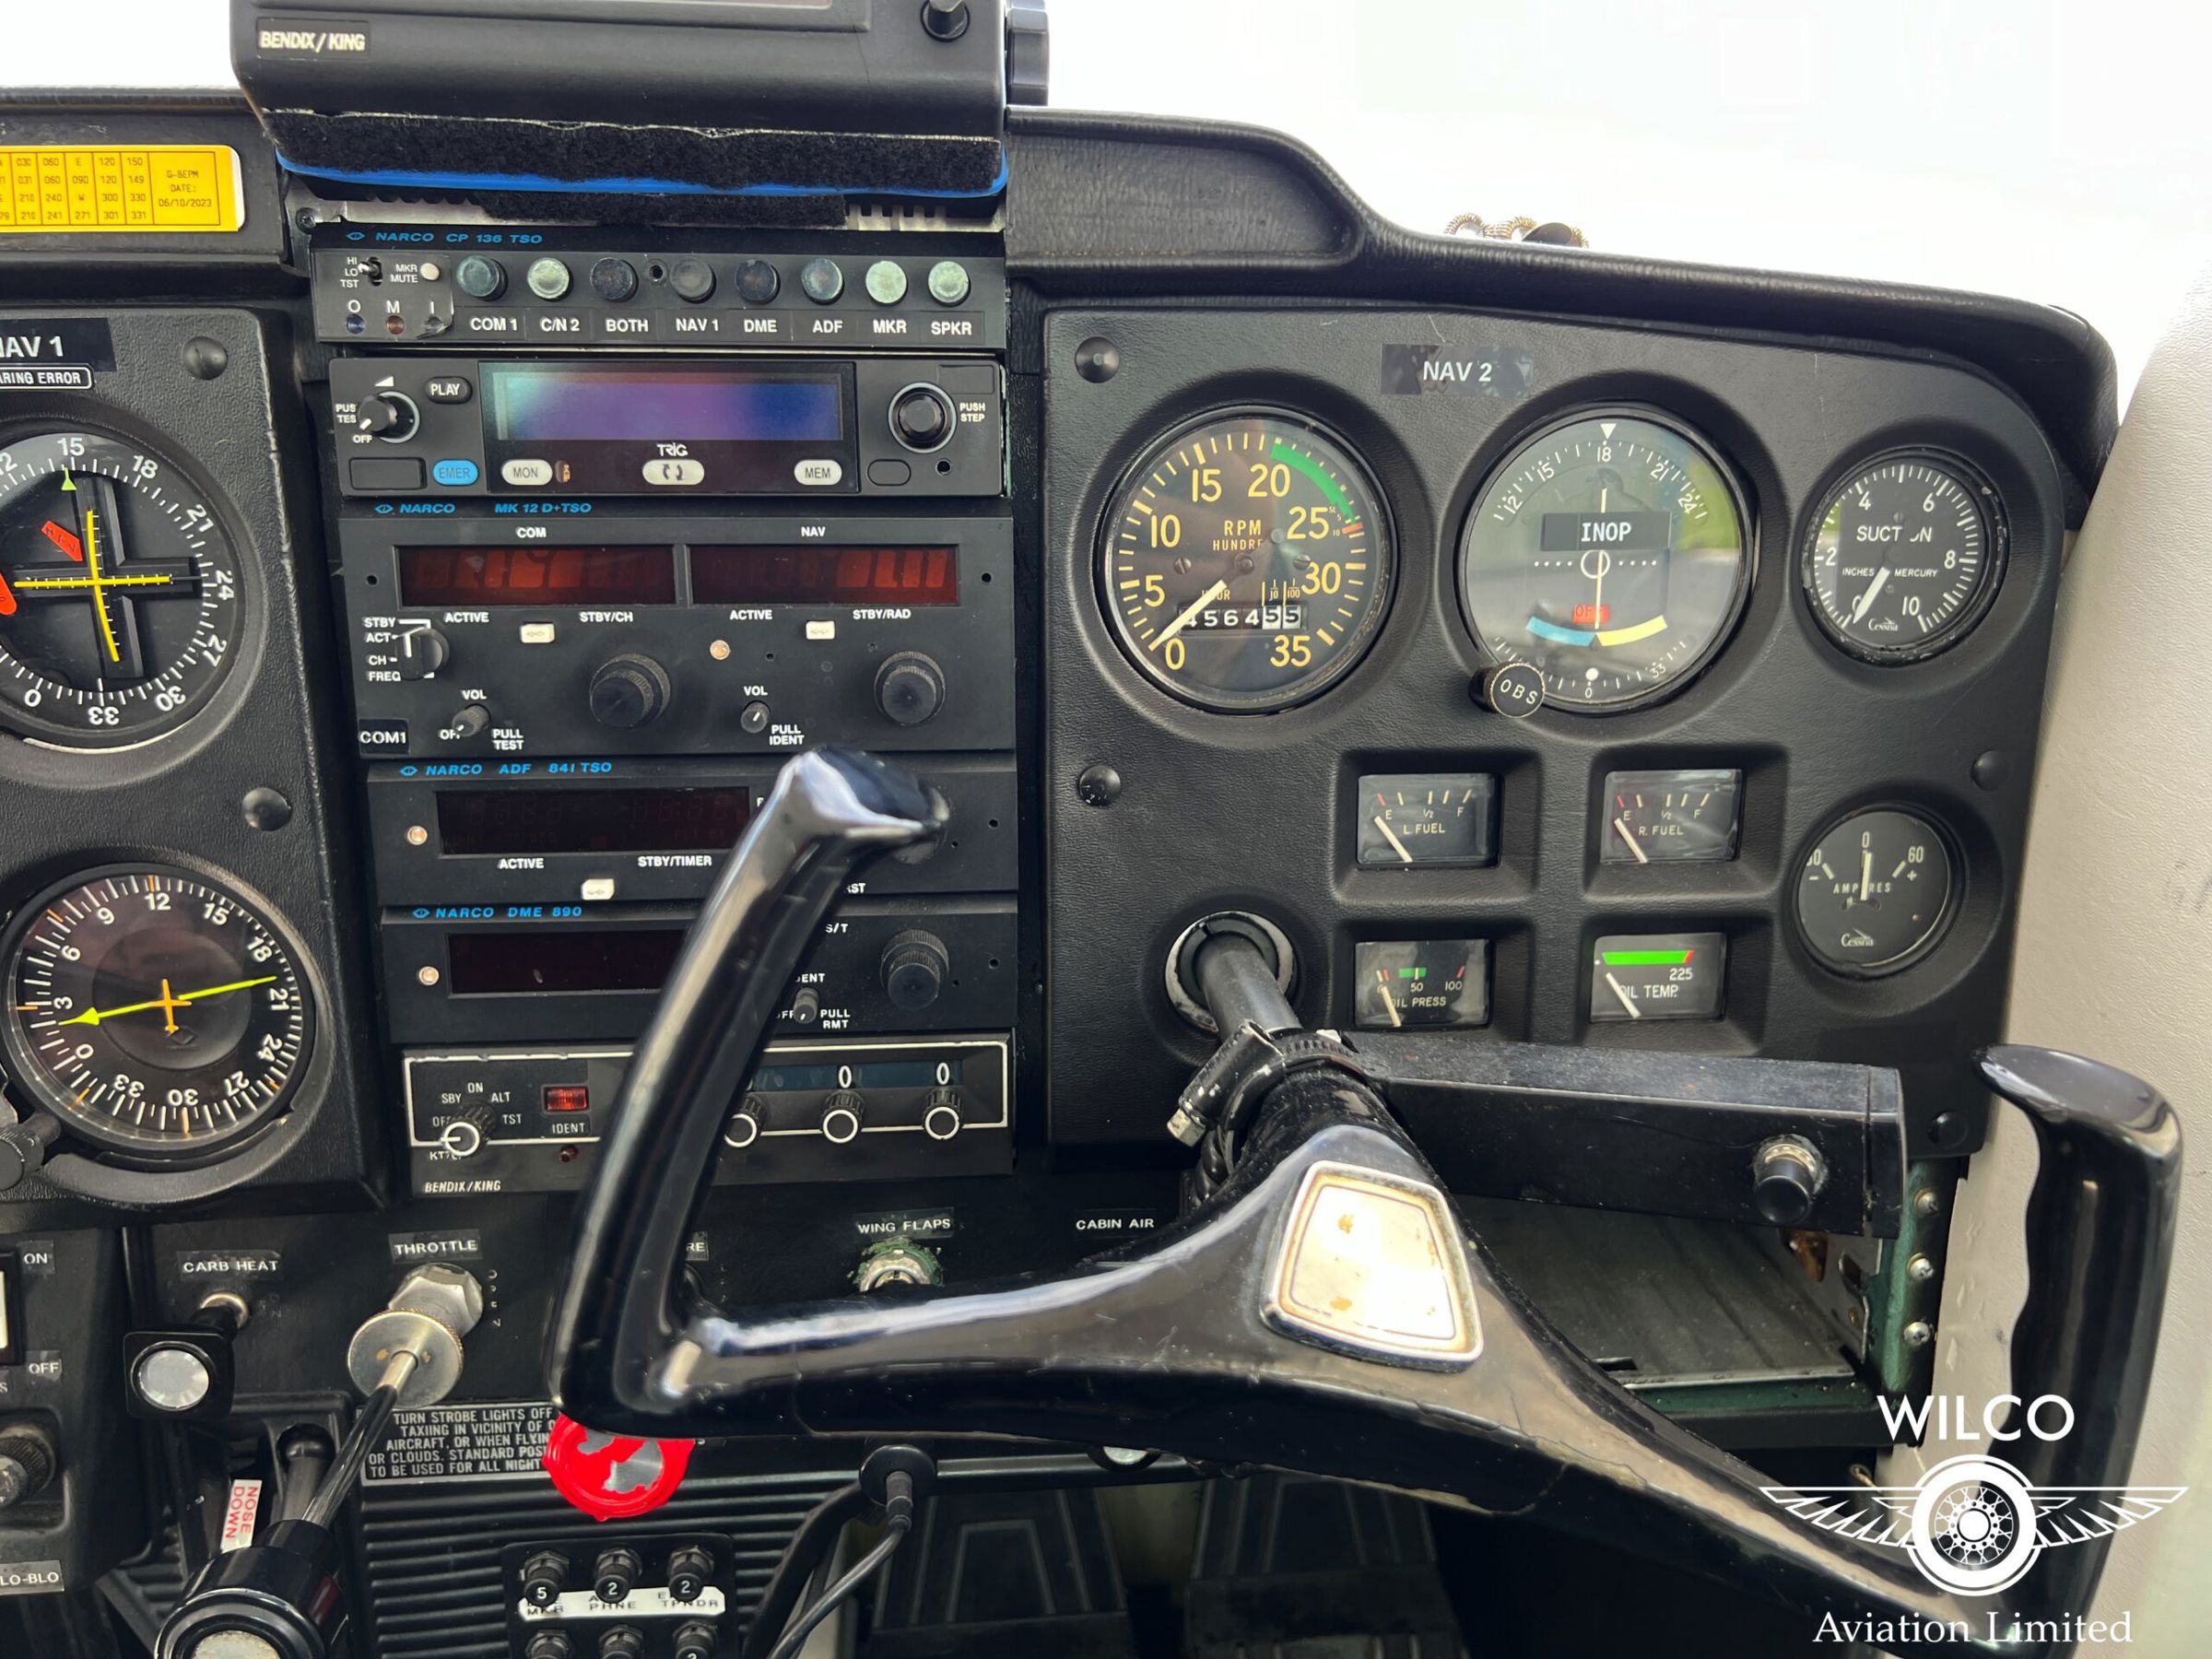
(1905, 557)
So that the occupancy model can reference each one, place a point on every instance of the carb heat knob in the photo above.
(628, 691)
(914, 970)
(910, 689)
(921, 417)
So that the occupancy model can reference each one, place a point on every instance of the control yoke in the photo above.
(1324, 1308)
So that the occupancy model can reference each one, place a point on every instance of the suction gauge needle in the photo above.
(1867, 598)
(1219, 590)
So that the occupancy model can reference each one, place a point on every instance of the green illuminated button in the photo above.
(948, 282)
(547, 277)
(1658, 976)
(887, 282)
(821, 280)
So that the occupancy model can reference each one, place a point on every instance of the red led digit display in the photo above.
(480, 576)
(776, 575)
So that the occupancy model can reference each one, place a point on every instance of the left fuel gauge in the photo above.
(119, 593)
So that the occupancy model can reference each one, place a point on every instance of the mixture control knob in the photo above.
(914, 970)
(910, 689)
(545, 1576)
(746, 1123)
(922, 417)
(841, 1115)
(624, 1642)
(1787, 1173)
(616, 1574)
(480, 278)
(694, 1640)
(690, 1571)
(628, 691)
(941, 1118)
(422, 652)
(27, 1462)
(390, 417)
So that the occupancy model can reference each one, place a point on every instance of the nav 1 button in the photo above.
(819, 475)
(526, 474)
(666, 472)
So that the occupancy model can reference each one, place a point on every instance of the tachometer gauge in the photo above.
(1246, 562)
(154, 1012)
(1611, 553)
(118, 593)
(1905, 556)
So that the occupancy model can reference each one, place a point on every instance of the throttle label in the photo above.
(146, 187)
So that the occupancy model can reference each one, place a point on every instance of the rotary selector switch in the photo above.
(388, 416)
(628, 691)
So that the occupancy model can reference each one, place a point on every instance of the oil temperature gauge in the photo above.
(1658, 976)
(1407, 819)
(1670, 817)
(1421, 982)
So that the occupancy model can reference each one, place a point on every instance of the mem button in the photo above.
(674, 472)
(819, 475)
(376, 472)
(526, 474)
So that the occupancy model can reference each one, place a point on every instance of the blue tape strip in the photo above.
(537, 182)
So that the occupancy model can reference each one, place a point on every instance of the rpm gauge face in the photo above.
(1905, 556)
(1611, 554)
(118, 593)
(1246, 562)
(155, 1012)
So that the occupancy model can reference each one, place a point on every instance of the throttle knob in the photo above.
(923, 419)
(910, 689)
(914, 969)
(628, 691)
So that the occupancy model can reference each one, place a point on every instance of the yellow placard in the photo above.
(133, 189)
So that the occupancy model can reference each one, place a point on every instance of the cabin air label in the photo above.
(1457, 371)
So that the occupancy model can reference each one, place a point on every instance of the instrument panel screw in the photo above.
(1921, 1268)
(264, 808)
(205, 359)
(426, 976)
(1919, 1333)
(417, 835)
(1099, 786)
(1927, 1202)
(1098, 359)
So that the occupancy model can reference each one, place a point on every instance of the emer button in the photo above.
(668, 471)
(819, 474)
(526, 473)
(455, 473)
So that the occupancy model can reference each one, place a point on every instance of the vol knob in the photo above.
(910, 689)
(390, 417)
(628, 691)
(915, 966)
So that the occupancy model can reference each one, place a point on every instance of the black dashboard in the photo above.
(404, 605)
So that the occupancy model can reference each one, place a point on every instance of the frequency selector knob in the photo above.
(628, 691)
(914, 970)
(921, 417)
(422, 652)
(390, 417)
(910, 689)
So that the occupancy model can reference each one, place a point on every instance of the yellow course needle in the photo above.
(92, 1017)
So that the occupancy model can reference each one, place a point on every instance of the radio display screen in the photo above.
(509, 821)
(825, 575)
(542, 404)
(536, 575)
(535, 960)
